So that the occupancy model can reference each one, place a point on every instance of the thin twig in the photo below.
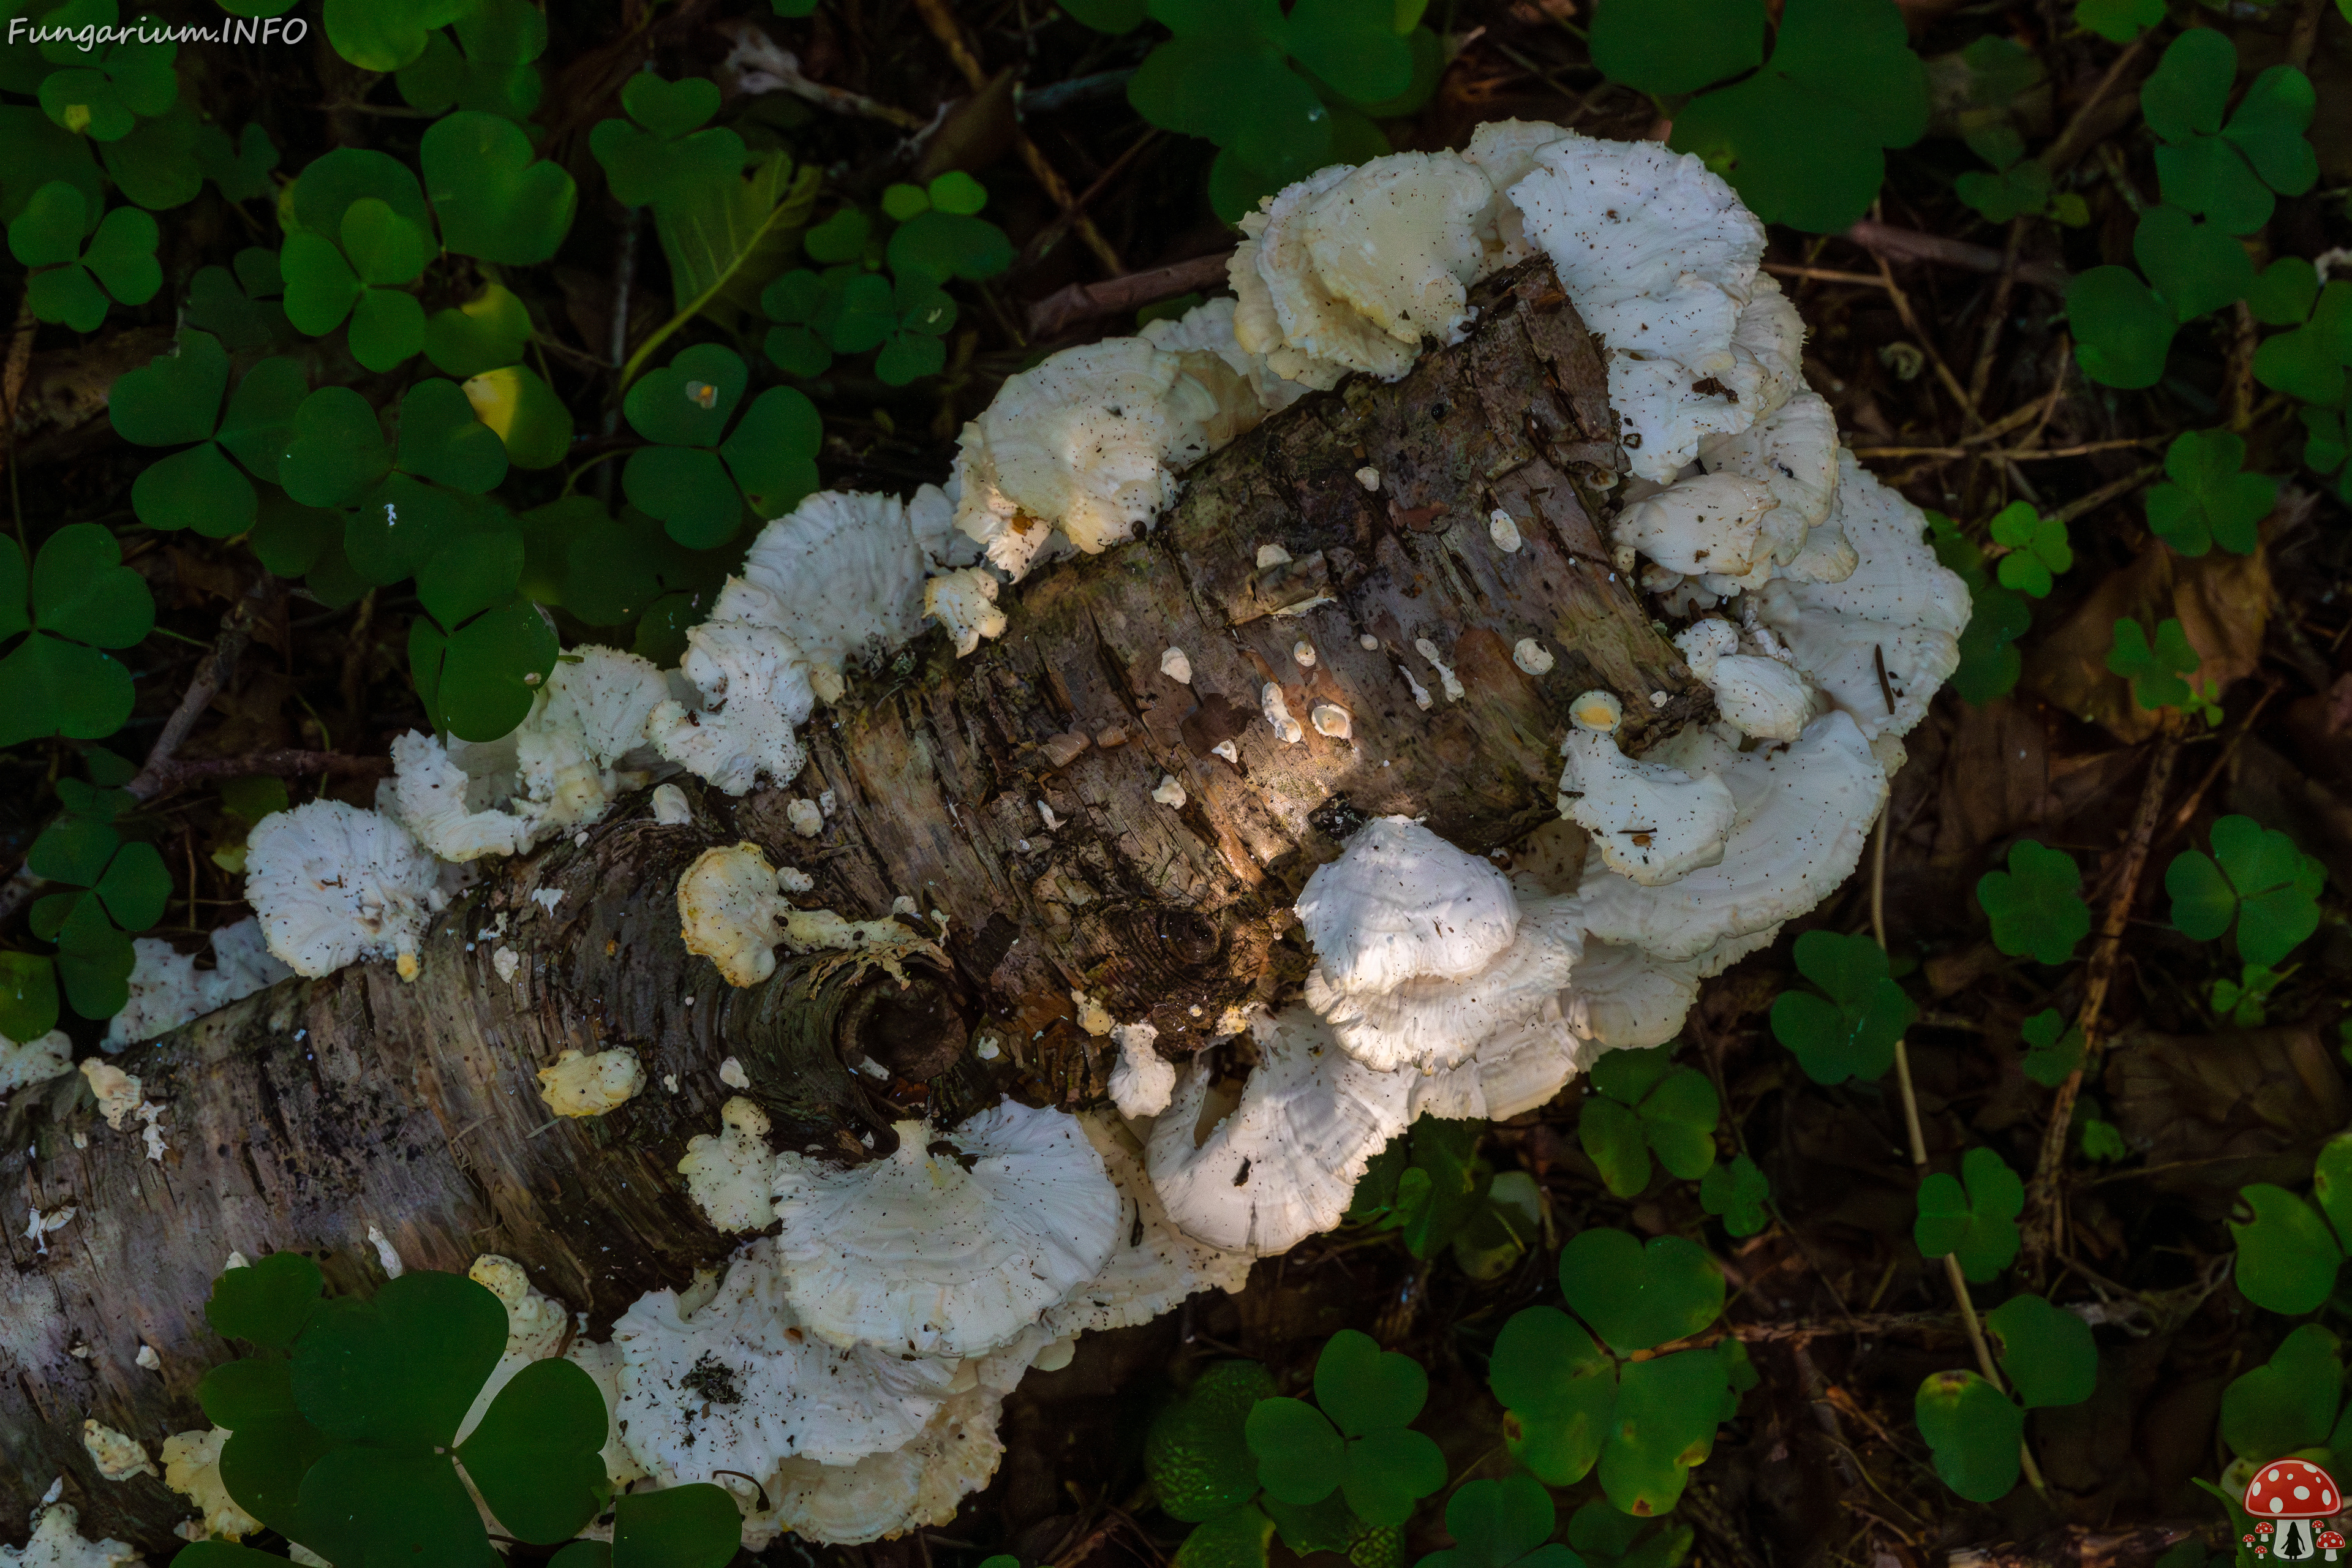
(1998, 317)
(236, 629)
(1064, 308)
(1884, 240)
(1824, 275)
(2080, 133)
(2009, 454)
(2106, 493)
(1952, 1272)
(288, 763)
(2044, 1215)
(950, 33)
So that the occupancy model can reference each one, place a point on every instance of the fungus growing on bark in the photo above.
(728, 907)
(118, 1456)
(846, 573)
(192, 1468)
(584, 1085)
(1421, 949)
(1280, 1164)
(952, 1245)
(33, 1061)
(1649, 821)
(731, 1174)
(332, 884)
(167, 989)
(754, 682)
(56, 1542)
(1756, 695)
(1143, 1079)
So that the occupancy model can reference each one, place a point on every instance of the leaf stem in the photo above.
(787, 203)
(1952, 1272)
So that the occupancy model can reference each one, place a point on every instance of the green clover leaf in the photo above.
(2046, 1351)
(2256, 877)
(1738, 1194)
(1643, 1101)
(331, 182)
(102, 98)
(267, 1302)
(696, 483)
(2054, 1048)
(2155, 666)
(2309, 361)
(2196, 267)
(1988, 666)
(2288, 1403)
(335, 451)
(1636, 1296)
(487, 67)
(1802, 139)
(177, 399)
(1851, 1032)
(241, 306)
(486, 332)
(495, 199)
(1972, 1429)
(2119, 21)
(1678, 47)
(28, 995)
(443, 1331)
(535, 1455)
(1430, 1186)
(1358, 1442)
(2288, 1250)
(660, 152)
(2037, 545)
(441, 439)
(239, 168)
(694, 1526)
(1195, 1454)
(2205, 499)
(1558, 1387)
(1972, 1217)
(82, 599)
(385, 35)
(2227, 173)
(524, 413)
(2122, 330)
(71, 282)
(2036, 906)
(1501, 1524)
(361, 278)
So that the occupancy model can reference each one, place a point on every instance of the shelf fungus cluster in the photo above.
(845, 1374)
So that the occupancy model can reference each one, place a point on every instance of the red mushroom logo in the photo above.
(2331, 1541)
(2287, 1496)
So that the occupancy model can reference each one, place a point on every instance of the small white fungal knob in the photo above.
(1368, 643)
(1503, 530)
(1228, 750)
(1532, 657)
(1303, 652)
(1599, 711)
(1271, 555)
(1176, 666)
(1369, 476)
(806, 817)
(1331, 719)
(1170, 791)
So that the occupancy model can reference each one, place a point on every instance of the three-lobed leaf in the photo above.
(1972, 1429)
(1851, 1032)
(1972, 1217)
(2205, 499)
(2047, 1352)
(2036, 905)
(1636, 1296)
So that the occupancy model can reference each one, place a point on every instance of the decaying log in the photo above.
(305, 1116)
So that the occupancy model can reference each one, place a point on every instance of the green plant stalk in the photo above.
(1952, 1273)
(660, 334)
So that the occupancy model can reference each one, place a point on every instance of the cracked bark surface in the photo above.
(303, 1116)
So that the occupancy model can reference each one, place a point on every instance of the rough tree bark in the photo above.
(304, 1116)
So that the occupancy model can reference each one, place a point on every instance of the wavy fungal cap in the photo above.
(740, 1384)
(332, 884)
(728, 907)
(955, 1243)
(583, 1085)
(1262, 1175)
(1401, 903)
(1649, 821)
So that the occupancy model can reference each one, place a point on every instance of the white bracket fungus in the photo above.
(1143, 1079)
(1330, 718)
(1168, 791)
(846, 575)
(1277, 715)
(583, 1085)
(755, 687)
(1648, 821)
(731, 1174)
(964, 601)
(1453, 682)
(1532, 657)
(1709, 523)
(56, 1542)
(33, 1061)
(1155, 1265)
(1756, 695)
(192, 1468)
(807, 817)
(670, 807)
(1504, 530)
(955, 1243)
(40, 1224)
(1423, 951)
(332, 884)
(1261, 1175)
(728, 907)
(167, 989)
(119, 1458)
(1175, 666)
